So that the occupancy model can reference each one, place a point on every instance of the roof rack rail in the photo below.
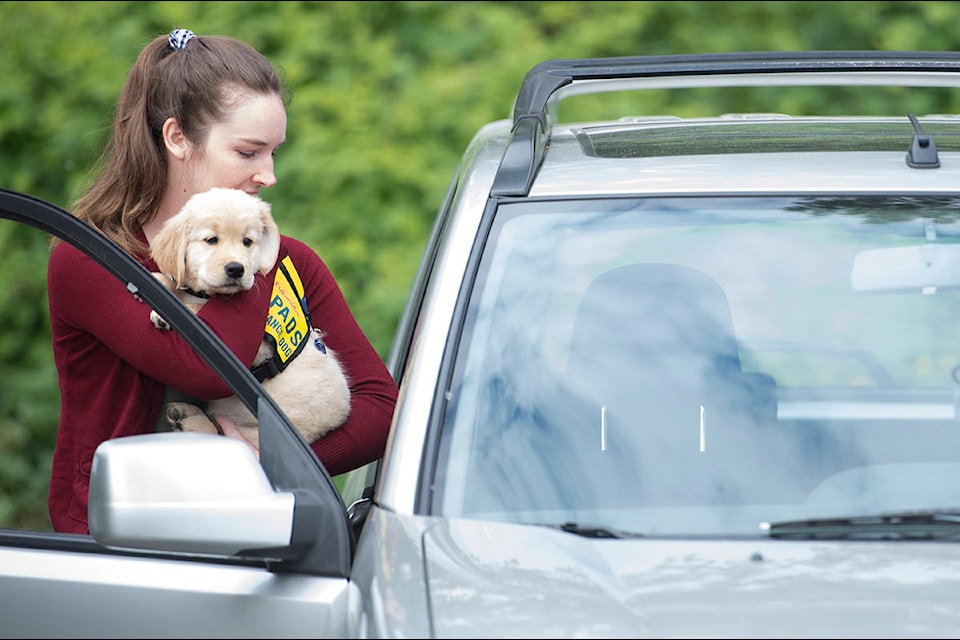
(531, 123)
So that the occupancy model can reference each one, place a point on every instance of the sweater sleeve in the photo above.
(90, 299)
(362, 438)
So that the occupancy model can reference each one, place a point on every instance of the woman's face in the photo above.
(239, 151)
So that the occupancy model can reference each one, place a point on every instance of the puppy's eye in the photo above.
(212, 240)
(248, 242)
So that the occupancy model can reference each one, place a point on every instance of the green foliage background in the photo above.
(386, 96)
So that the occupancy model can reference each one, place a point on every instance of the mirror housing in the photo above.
(187, 493)
(924, 268)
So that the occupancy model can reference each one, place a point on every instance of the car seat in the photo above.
(655, 353)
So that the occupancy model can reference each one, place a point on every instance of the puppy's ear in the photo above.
(169, 247)
(270, 241)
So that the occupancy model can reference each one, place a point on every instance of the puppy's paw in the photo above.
(183, 416)
(158, 321)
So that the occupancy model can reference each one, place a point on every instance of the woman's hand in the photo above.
(231, 430)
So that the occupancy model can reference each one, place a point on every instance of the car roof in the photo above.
(568, 170)
(728, 153)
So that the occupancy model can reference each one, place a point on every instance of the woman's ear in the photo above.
(174, 139)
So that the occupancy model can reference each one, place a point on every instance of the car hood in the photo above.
(499, 580)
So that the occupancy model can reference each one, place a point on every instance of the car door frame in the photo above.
(55, 584)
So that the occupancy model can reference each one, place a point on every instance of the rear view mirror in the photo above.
(924, 268)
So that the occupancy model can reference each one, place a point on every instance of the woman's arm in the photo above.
(86, 297)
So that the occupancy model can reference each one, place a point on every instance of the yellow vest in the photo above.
(288, 321)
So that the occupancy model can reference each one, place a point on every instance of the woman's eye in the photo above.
(246, 154)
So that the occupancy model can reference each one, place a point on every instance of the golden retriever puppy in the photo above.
(214, 246)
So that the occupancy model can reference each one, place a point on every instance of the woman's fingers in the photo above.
(231, 430)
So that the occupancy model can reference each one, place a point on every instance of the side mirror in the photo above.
(188, 493)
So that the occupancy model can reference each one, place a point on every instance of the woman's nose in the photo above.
(266, 176)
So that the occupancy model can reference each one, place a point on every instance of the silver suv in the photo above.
(661, 376)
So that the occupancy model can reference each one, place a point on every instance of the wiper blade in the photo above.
(592, 531)
(893, 526)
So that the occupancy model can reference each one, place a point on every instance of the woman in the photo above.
(196, 112)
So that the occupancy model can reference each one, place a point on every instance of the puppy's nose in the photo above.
(234, 269)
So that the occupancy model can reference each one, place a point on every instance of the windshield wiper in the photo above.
(592, 531)
(890, 526)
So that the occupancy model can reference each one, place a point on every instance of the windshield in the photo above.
(699, 366)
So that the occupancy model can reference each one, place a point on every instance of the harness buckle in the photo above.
(266, 369)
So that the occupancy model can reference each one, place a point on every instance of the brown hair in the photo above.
(193, 84)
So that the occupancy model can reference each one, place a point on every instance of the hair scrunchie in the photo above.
(179, 38)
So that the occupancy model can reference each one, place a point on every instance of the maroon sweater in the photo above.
(114, 366)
